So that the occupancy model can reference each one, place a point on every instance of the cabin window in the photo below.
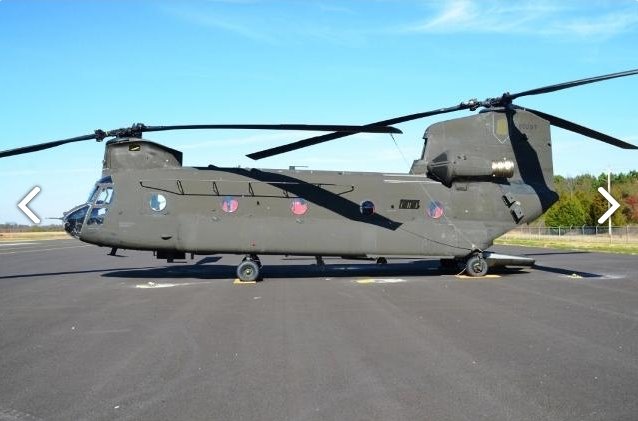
(366, 207)
(435, 209)
(158, 202)
(299, 206)
(229, 204)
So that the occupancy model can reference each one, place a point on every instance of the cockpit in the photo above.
(94, 211)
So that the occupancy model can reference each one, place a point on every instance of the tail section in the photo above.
(498, 167)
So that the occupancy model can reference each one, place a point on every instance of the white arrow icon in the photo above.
(24, 202)
(614, 205)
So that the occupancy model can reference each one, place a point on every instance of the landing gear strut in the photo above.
(249, 269)
(476, 265)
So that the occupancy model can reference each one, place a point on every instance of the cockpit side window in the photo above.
(101, 199)
(97, 216)
(105, 196)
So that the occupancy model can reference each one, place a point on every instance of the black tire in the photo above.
(476, 266)
(382, 261)
(248, 271)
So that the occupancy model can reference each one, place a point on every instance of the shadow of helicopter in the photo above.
(71, 272)
(347, 270)
(556, 253)
(567, 272)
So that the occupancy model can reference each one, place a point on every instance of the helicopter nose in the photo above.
(74, 219)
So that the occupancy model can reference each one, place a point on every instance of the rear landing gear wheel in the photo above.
(253, 258)
(248, 271)
(476, 266)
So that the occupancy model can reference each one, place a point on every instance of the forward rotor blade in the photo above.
(137, 129)
(332, 136)
(42, 146)
(577, 128)
(567, 85)
(298, 127)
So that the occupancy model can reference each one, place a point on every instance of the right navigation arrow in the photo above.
(614, 205)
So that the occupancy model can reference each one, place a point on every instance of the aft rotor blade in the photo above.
(298, 127)
(567, 85)
(577, 128)
(332, 136)
(46, 145)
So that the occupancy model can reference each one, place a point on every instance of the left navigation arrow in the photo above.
(25, 201)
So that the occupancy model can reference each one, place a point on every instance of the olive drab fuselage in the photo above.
(478, 177)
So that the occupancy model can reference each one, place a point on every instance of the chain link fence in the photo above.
(599, 233)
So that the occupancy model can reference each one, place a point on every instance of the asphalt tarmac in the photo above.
(84, 335)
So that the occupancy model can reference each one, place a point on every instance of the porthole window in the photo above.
(299, 206)
(229, 204)
(366, 208)
(435, 209)
(158, 202)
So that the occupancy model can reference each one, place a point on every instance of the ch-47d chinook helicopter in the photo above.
(478, 177)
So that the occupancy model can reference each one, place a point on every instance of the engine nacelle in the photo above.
(137, 154)
(448, 168)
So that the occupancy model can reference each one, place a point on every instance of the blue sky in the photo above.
(70, 67)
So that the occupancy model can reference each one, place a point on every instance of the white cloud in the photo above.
(567, 19)
(608, 25)
(215, 21)
(528, 17)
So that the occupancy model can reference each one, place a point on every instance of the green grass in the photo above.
(626, 248)
(580, 244)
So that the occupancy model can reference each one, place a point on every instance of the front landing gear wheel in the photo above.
(476, 266)
(248, 271)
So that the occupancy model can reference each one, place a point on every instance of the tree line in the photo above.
(580, 203)
(15, 227)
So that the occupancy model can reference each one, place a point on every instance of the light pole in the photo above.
(608, 203)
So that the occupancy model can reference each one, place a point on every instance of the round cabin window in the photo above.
(229, 204)
(158, 202)
(366, 207)
(435, 209)
(299, 207)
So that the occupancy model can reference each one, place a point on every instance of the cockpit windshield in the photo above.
(103, 186)
(98, 202)
(94, 211)
(92, 195)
